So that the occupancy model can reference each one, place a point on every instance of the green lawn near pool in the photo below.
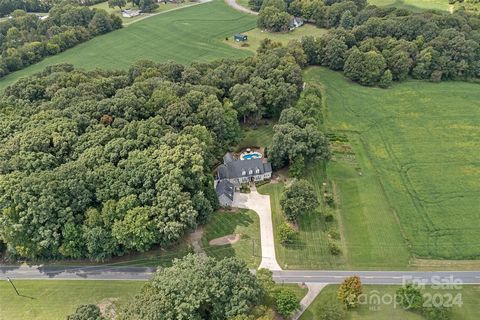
(185, 35)
(465, 307)
(55, 299)
(255, 36)
(422, 142)
(260, 136)
(246, 224)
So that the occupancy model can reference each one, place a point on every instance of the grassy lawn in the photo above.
(244, 3)
(261, 136)
(243, 222)
(470, 296)
(422, 145)
(55, 299)
(311, 248)
(414, 5)
(255, 36)
(371, 232)
(186, 35)
(161, 8)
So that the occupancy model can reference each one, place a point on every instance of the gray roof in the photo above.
(226, 188)
(243, 168)
(228, 157)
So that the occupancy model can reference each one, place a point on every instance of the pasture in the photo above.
(55, 299)
(255, 36)
(162, 7)
(190, 34)
(414, 5)
(470, 297)
(422, 140)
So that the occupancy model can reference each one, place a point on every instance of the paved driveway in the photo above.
(261, 205)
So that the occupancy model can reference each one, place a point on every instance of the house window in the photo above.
(250, 171)
(244, 172)
(257, 171)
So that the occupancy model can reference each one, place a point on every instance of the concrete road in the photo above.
(378, 277)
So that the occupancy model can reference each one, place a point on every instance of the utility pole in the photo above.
(253, 246)
(14, 288)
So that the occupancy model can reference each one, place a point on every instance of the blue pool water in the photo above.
(250, 156)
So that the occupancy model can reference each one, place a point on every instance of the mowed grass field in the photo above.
(469, 297)
(243, 222)
(414, 5)
(189, 34)
(255, 36)
(423, 142)
(55, 299)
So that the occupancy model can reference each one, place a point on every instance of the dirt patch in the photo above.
(107, 308)
(229, 239)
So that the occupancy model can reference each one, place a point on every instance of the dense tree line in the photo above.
(100, 163)
(8, 6)
(297, 138)
(382, 45)
(26, 39)
(375, 46)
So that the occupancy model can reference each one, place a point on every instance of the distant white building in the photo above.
(127, 13)
(295, 23)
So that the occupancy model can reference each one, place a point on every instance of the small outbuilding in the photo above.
(240, 37)
(295, 23)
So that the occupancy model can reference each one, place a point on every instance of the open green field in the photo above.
(185, 35)
(55, 299)
(161, 8)
(255, 36)
(242, 222)
(470, 297)
(369, 227)
(414, 5)
(422, 140)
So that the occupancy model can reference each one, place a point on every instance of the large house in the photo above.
(232, 173)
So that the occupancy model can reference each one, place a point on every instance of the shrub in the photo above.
(286, 302)
(331, 310)
(349, 291)
(334, 234)
(330, 200)
(334, 249)
(286, 234)
(329, 217)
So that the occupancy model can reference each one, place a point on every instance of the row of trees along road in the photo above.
(101, 163)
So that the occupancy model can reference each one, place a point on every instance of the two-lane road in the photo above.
(286, 276)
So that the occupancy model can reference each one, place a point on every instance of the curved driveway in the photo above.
(261, 205)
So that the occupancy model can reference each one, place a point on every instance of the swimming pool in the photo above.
(252, 155)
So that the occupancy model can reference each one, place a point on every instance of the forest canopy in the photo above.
(100, 163)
